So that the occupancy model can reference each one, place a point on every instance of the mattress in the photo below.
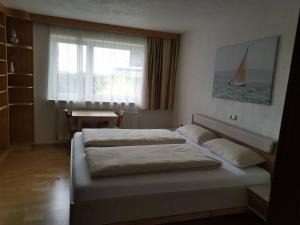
(224, 179)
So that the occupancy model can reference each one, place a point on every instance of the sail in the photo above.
(239, 77)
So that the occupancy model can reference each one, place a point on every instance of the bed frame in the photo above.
(186, 217)
(264, 146)
(87, 212)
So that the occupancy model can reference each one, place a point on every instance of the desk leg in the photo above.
(109, 123)
(79, 124)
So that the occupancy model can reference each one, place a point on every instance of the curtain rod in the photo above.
(38, 18)
(101, 26)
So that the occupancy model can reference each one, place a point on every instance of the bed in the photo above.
(166, 196)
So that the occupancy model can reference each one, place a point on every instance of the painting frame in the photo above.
(245, 72)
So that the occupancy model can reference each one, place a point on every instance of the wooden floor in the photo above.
(34, 189)
(34, 186)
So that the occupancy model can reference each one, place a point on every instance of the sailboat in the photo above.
(239, 78)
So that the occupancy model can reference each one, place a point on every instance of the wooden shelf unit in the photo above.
(20, 83)
(3, 83)
(20, 104)
(3, 98)
(19, 74)
(18, 46)
(2, 33)
(3, 67)
(23, 28)
(22, 59)
(4, 108)
(26, 87)
(21, 117)
(2, 51)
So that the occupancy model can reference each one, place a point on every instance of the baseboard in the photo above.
(58, 144)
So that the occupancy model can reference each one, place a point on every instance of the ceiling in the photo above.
(162, 15)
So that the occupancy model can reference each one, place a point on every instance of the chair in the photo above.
(71, 126)
(120, 114)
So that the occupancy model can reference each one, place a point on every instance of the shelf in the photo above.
(2, 60)
(19, 87)
(2, 26)
(2, 43)
(20, 74)
(21, 104)
(1, 92)
(20, 94)
(20, 81)
(3, 107)
(19, 46)
(2, 75)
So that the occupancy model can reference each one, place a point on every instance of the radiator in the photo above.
(62, 126)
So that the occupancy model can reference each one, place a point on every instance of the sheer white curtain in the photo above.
(88, 66)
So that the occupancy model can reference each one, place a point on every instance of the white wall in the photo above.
(218, 23)
(46, 113)
(45, 116)
(239, 23)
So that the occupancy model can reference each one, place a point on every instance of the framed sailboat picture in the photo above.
(244, 72)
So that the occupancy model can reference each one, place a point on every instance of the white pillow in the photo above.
(196, 133)
(236, 154)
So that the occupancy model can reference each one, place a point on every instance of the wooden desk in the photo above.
(80, 115)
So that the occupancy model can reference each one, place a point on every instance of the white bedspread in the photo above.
(107, 137)
(124, 160)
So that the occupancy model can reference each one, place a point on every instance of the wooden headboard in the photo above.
(263, 145)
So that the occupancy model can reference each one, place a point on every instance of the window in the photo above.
(95, 66)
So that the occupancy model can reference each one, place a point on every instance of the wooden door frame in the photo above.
(285, 193)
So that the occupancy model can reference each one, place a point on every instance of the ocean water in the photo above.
(254, 93)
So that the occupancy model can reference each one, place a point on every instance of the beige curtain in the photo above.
(162, 60)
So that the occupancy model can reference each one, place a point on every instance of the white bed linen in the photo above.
(227, 176)
(141, 159)
(107, 137)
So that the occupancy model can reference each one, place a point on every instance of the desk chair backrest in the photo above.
(120, 114)
(71, 127)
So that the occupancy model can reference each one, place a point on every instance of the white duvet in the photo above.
(126, 137)
(126, 160)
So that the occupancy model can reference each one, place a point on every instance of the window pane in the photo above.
(117, 73)
(95, 66)
(137, 57)
(83, 48)
(108, 60)
(67, 57)
(70, 57)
